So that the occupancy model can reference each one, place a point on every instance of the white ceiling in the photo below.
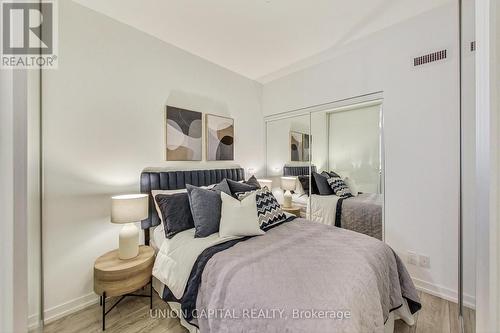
(257, 38)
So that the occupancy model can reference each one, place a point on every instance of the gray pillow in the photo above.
(253, 182)
(322, 185)
(223, 186)
(237, 187)
(205, 208)
(176, 213)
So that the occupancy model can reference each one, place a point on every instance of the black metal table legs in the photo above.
(102, 302)
(151, 294)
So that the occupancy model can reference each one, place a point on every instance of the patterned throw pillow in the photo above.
(268, 209)
(339, 187)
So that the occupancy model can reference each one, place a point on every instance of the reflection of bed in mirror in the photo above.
(361, 213)
(300, 197)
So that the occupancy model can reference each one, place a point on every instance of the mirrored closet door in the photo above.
(347, 167)
(288, 155)
(327, 165)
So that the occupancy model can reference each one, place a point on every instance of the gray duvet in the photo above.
(303, 277)
(363, 214)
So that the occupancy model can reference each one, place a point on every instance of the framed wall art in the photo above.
(184, 130)
(220, 138)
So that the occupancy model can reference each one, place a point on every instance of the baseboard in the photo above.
(33, 321)
(69, 307)
(444, 293)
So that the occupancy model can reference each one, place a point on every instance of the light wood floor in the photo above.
(132, 315)
(437, 316)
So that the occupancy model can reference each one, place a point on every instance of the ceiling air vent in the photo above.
(431, 57)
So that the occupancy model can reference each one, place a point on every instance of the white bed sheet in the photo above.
(157, 238)
(176, 257)
(324, 208)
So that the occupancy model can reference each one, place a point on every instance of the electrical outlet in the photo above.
(412, 258)
(424, 261)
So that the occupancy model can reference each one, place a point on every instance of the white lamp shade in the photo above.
(288, 183)
(266, 183)
(129, 208)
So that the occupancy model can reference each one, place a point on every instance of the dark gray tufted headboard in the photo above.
(174, 180)
(289, 170)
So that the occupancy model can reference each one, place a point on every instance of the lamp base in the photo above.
(129, 242)
(287, 202)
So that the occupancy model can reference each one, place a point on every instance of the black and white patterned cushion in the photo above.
(268, 209)
(339, 187)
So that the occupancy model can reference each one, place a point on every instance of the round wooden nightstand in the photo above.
(292, 210)
(116, 277)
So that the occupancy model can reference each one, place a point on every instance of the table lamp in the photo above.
(266, 183)
(288, 184)
(128, 209)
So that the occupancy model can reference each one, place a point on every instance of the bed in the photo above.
(362, 213)
(296, 270)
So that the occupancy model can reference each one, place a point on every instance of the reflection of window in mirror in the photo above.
(354, 146)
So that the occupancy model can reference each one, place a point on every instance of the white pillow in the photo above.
(239, 218)
(299, 189)
(352, 186)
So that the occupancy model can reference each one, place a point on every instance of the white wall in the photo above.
(33, 177)
(278, 143)
(487, 165)
(421, 132)
(13, 201)
(6, 202)
(104, 122)
(469, 151)
(319, 130)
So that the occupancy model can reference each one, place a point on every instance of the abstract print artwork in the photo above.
(184, 134)
(299, 147)
(296, 148)
(306, 154)
(220, 138)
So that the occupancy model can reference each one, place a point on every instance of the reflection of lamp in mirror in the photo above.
(266, 183)
(288, 184)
